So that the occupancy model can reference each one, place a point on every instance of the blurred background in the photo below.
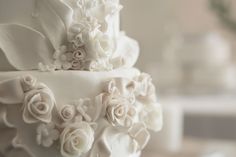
(189, 48)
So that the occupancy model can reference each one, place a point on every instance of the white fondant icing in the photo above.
(18, 13)
(24, 53)
(63, 10)
(71, 85)
(52, 24)
(4, 64)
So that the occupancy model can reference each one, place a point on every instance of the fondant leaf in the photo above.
(24, 47)
(71, 3)
(53, 26)
(4, 64)
(63, 10)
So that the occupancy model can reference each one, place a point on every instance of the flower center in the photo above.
(76, 141)
(78, 54)
(40, 108)
(120, 111)
(28, 79)
(76, 64)
(67, 113)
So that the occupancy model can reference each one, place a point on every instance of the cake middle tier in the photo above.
(72, 85)
(77, 113)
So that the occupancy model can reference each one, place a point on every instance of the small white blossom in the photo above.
(46, 134)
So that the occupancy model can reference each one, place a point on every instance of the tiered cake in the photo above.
(67, 83)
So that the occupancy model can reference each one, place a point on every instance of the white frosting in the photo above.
(70, 119)
(75, 81)
(75, 25)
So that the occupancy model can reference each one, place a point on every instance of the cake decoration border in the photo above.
(125, 106)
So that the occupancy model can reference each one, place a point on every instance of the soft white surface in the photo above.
(215, 104)
(71, 85)
(207, 50)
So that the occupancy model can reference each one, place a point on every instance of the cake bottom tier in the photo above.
(76, 114)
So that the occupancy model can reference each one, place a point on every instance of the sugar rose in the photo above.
(102, 45)
(38, 104)
(67, 112)
(119, 112)
(76, 139)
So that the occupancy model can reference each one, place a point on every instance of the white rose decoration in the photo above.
(76, 139)
(119, 112)
(100, 45)
(122, 86)
(99, 65)
(67, 112)
(38, 104)
(79, 54)
(76, 65)
(103, 45)
(28, 83)
(80, 39)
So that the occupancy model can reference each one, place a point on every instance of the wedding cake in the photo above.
(67, 83)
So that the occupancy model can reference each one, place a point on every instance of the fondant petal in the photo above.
(53, 26)
(11, 92)
(127, 52)
(63, 10)
(71, 3)
(24, 47)
(4, 123)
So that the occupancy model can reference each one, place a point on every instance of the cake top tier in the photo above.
(63, 34)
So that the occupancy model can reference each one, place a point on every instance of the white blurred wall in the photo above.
(151, 22)
(155, 23)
